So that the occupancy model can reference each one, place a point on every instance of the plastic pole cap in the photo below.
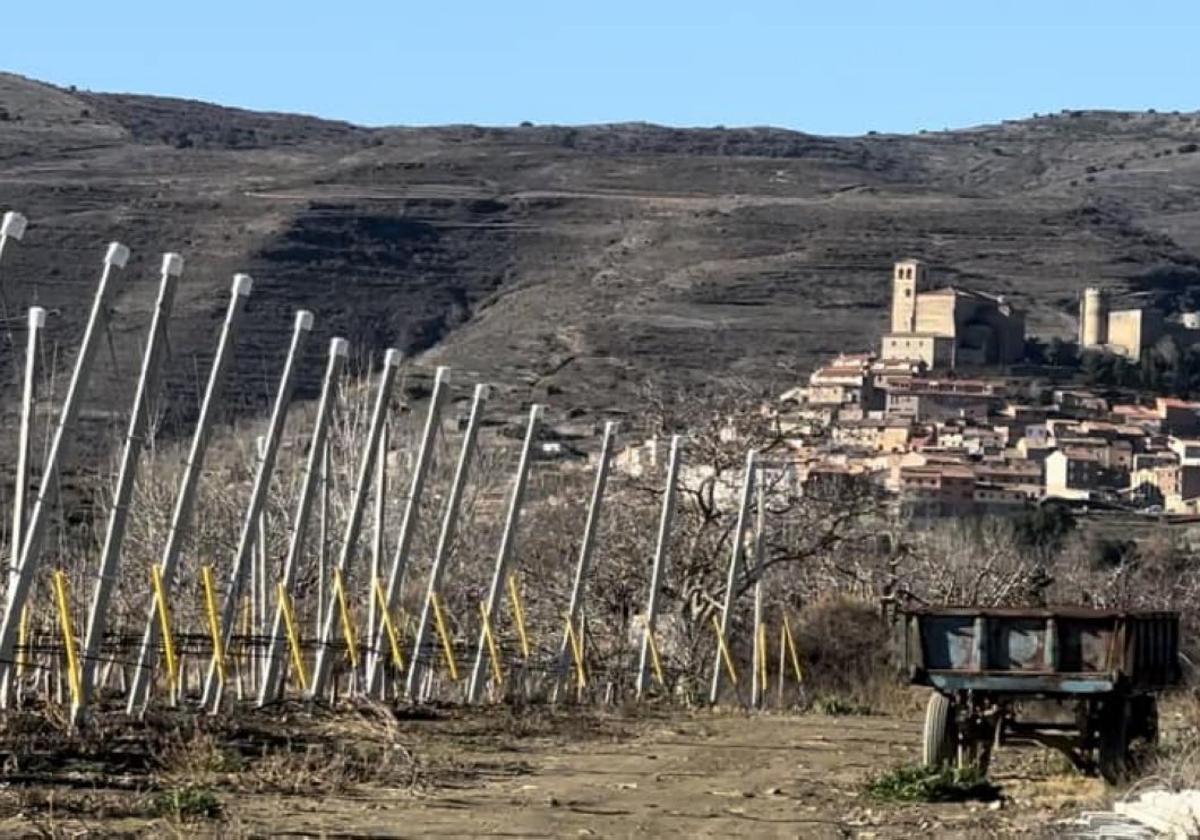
(172, 264)
(304, 320)
(117, 254)
(441, 376)
(339, 347)
(13, 225)
(482, 390)
(392, 357)
(242, 284)
(37, 317)
(535, 411)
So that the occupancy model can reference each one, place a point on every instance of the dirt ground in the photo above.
(499, 773)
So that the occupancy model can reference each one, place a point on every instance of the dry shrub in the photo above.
(845, 651)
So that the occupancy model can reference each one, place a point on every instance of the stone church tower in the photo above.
(907, 279)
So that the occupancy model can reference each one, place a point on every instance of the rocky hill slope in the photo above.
(575, 262)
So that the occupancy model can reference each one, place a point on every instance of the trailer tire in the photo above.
(1114, 741)
(939, 745)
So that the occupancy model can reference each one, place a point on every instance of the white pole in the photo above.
(757, 689)
(660, 562)
(504, 556)
(391, 362)
(445, 539)
(408, 526)
(735, 562)
(301, 329)
(185, 499)
(377, 541)
(318, 453)
(31, 550)
(139, 425)
(585, 552)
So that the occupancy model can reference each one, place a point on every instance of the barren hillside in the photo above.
(576, 262)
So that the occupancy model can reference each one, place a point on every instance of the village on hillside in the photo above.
(958, 413)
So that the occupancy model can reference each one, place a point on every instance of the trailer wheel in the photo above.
(940, 738)
(1114, 741)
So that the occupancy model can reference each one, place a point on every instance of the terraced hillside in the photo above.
(575, 262)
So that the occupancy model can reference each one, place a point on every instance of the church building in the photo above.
(949, 327)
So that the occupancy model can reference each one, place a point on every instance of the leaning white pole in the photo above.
(323, 541)
(311, 484)
(735, 562)
(445, 539)
(185, 499)
(301, 329)
(660, 562)
(757, 684)
(408, 526)
(585, 553)
(391, 361)
(37, 321)
(135, 438)
(504, 556)
(35, 533)
(380, 513)
(13, 227)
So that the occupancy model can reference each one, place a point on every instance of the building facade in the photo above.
(949, 327)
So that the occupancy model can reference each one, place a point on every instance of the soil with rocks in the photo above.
(504, 773)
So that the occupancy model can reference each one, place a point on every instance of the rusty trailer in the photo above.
(1081, 680)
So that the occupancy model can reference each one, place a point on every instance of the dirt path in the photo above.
(685, 776)
(538, 773)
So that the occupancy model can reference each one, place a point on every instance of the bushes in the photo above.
(845, 651)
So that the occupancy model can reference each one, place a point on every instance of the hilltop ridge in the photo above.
(576, 263)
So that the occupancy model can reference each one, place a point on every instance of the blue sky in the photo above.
(829, 67)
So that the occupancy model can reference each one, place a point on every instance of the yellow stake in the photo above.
(23, 641)
(64, 613)
(289, 621)
(791, 646)
(393, 636)
(447, 645)
(493, 648)
(658, 671)
(577, 651)
(762, 655)
(518, 614)
(164, 622)
(339, 586)
(728, 660)
(214, 621)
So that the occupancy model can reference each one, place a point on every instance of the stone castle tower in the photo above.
(1093, 318)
